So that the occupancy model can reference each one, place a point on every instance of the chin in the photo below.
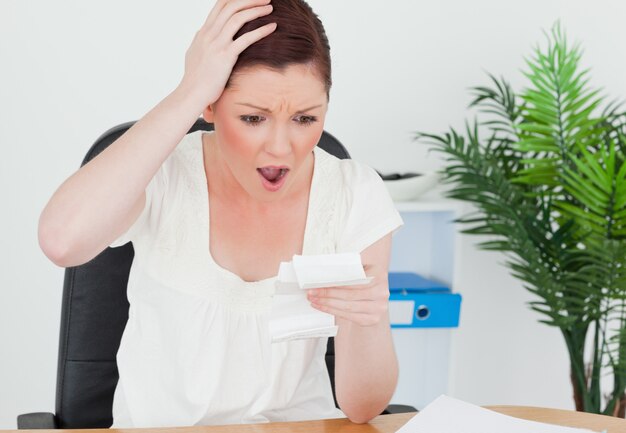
(269, 197)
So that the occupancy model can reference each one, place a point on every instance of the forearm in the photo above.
(88, 210)
(366, 369)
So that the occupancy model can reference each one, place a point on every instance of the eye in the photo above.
(306, 120)
(253, 120)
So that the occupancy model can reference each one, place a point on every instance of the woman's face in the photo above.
(266, 126)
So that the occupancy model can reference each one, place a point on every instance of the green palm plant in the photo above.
(546, 172)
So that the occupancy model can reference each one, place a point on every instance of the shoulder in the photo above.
(177, 172)
(357, 207)
(349, 172)
(188, 150)
(356, 185)
(181, 161)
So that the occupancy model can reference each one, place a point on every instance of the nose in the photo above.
(279, 143)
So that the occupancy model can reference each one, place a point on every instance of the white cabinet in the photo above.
(427, 245)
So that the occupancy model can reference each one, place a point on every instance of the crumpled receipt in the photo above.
(292, 316)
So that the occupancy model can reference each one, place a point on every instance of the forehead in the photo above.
(296, 84)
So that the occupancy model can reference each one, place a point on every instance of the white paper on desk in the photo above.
(449, 415)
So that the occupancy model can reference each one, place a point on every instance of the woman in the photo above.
(212, 215)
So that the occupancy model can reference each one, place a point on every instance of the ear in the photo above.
(209, 114)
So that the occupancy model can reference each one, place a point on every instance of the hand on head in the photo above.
(213, 53)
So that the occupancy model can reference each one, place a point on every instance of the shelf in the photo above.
(428, 245)
(441, 205)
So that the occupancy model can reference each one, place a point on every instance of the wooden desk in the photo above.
(383, 423)
(565, 417)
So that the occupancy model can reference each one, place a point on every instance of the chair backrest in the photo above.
(94, 313)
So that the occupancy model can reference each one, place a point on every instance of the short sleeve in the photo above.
(367, 210)
(152, 208)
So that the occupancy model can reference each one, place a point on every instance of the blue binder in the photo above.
(417, 302)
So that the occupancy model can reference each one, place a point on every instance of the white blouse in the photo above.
(196, 348)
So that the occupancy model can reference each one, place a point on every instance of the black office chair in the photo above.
(93, 316)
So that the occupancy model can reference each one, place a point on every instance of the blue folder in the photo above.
(423, 303)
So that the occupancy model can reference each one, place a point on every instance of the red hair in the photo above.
(299, 38)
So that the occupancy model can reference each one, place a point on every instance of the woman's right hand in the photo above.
(213, 52)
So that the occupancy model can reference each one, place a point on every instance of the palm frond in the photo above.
(558, 116)
(548, 180)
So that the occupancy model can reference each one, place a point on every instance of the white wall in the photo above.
(70, 69)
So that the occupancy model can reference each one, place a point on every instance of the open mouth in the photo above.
(273, 174)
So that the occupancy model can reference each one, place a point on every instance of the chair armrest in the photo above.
(36, 420)
(398, 408)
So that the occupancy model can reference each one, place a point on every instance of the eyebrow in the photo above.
(267, 110)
